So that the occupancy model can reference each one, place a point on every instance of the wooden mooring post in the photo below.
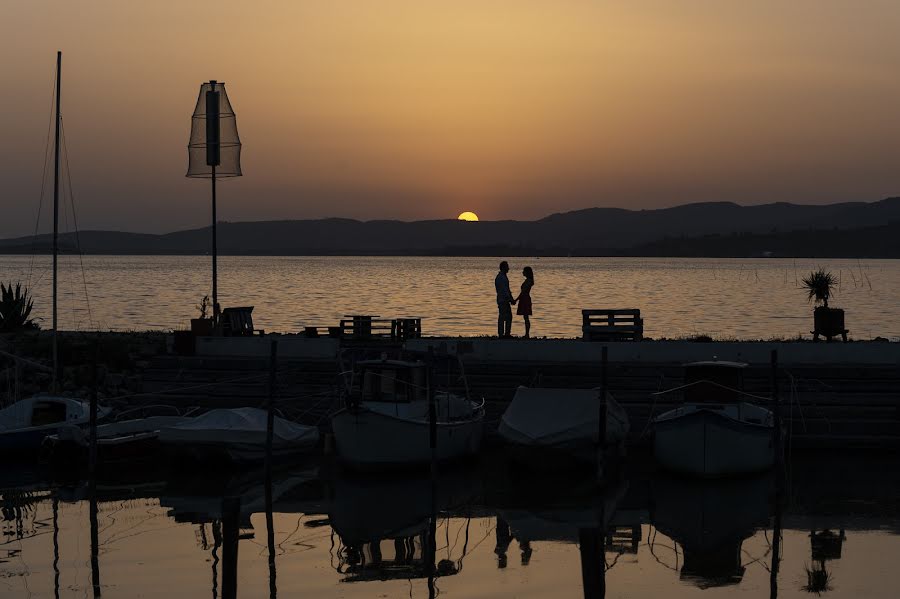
(602, 426)
(92, 430)
(270, 432)
(778, 437)
(591, 543)
(231, 516)
(270, 404)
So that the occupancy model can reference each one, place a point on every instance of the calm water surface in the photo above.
(734, 298)
(337, 536)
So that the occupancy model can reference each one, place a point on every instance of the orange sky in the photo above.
(423, 109)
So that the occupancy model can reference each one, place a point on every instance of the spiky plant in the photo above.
(15, 308)
(203, 306)
(820, 285)
(818, 580)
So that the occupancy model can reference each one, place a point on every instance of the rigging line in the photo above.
(64, 178)
(65, 148)
(37, 222)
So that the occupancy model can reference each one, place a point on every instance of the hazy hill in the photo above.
(591, 231)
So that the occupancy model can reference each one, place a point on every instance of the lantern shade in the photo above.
(203, 151)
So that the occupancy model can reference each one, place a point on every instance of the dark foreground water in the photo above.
(314, 532)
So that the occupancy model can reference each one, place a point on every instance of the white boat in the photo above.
(561, 424)
(238, 435)
(715, 433)
(25, 424)
(386, 423)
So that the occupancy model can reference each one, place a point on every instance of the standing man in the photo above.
(504, 302)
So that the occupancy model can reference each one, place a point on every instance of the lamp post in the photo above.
(214, 151)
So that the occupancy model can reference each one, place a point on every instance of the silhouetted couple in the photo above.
(505, 300)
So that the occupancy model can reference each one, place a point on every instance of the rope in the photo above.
(715, 384)
(65, 149)
(26, 361)
(37, 222)
(156, 393)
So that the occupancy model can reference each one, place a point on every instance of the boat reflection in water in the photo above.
(388, 527)
(710, 520)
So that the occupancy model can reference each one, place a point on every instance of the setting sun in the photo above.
(469, 216)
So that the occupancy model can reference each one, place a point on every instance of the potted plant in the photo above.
(828, 322)
(203, 326)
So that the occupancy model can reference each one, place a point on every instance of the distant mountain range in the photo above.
(852, 229)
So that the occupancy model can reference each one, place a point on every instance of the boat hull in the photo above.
(370, 440)
(707, 444)
(25, 440)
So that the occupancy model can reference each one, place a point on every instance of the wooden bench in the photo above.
(238, 322)
(364, 326)
(406, 328)
(612, 325)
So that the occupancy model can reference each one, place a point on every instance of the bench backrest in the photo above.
(610, 325)
(237, 322)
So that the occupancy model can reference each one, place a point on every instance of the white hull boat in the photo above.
(238, 435)
(387, 421)
(561, 424)
(25, 424)
(715, 440)
(716, 433)
(383, 435)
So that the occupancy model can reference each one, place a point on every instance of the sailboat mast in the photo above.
(215, 272)
(56, 220)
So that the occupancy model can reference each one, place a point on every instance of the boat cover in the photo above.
(241, 424)
(560, 418)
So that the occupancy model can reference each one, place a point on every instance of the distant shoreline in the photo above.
(510, 253)
(723, 230)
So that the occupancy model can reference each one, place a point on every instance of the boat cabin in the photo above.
(713, 382)
(393, 381)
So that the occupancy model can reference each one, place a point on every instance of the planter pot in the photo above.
(829, 322)
(202, 327)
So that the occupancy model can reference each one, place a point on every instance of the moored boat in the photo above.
(237, 435)
(386, 422)
(126, 440)
(715, 433)
(561, 426)
(25, 424)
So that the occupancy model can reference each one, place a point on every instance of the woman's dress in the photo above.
(524, 302)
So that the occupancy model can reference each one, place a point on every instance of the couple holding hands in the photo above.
(505, 300)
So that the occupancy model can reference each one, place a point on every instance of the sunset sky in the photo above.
(424, 109)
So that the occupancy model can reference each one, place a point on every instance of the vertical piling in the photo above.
(776, 546)
(270, 427)
(92, 430)
(95, 535)
(270, 404)
(231, 515)
(432, 412)
(777, 444)
(591, 543)
(602, 425)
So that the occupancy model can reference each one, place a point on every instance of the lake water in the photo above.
(332, 535)
(724, 298)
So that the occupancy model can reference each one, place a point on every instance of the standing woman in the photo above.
(524, 299)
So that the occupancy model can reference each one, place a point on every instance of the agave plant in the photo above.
(820, 284)
(15, 308)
